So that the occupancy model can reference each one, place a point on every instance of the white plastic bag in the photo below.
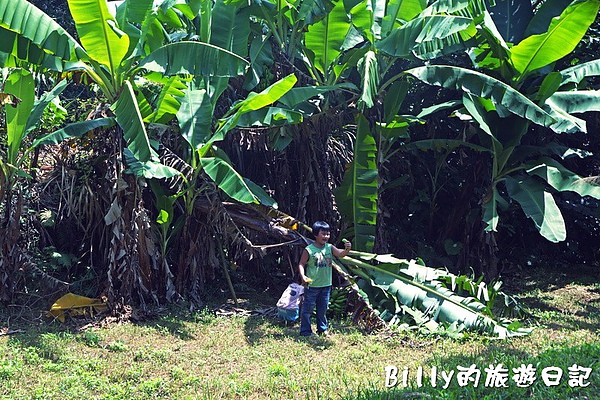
(288, 305)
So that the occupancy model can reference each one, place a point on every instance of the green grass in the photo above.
(182, 355)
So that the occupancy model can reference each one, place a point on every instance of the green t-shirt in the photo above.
(318, 267)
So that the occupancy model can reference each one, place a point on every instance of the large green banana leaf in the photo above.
(563, 35)
(168, 102)
(579, 101)
(484, 86)
(26, 20)
(21, 84)
(230, 29)
(129, 118)
(437, 30)
(562, 179)
(578, 72)
(195, 117)
(228, 179)
(194, 58)
(98, 33)
(357, 195)
(324, 39)
(398, 12)
(254, 101)
(398, 287)
(539, 205)
(76, 129)
(543, 16)
(299, 95)
(270, 116)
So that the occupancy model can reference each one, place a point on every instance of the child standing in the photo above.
(315, 268)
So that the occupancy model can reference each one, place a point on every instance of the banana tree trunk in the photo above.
(11, 257)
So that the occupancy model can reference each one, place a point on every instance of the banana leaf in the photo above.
(357, 195)
(98, 33)
(539, 205)
(563, 35)
(195, 117)
(578, 72)
(228, 179)
(21, 84)
(21, 17)
(484, 86)
(129, 118)
(195, 58)
(578, 101)
(369, 71)
(396, 287)
(324, 39)
(563, 179)
(168, 102)
(439, 30)
(73, 130)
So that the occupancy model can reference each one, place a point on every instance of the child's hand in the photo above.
(347, 244)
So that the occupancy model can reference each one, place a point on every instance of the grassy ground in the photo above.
(203, 356)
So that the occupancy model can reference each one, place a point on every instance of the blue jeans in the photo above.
(312, 296)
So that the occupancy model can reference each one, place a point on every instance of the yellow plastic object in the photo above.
(75, 305)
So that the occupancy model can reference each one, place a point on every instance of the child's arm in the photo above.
(342, 253)
(301, 267)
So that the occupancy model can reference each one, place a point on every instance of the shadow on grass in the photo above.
(259, 328)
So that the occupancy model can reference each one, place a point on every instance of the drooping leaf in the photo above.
(41, 104)
(261, 195)
(194, 58)
(26, 20)
(490, 210)
(369, 71)
(563, 35)
(254, 101)
(148, 169)
(129, 118)
(578, 101)
(270, 116)
(228, 179)
(563, 179)
(73, 130)
(578, 72)
(195, 117)
(167, 104)
(435, 29)
(539, 205)
(484, 86)
(404, 287)
(357, 195)
(300, 94)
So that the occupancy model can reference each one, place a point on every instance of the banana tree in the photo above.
(121, 48)
(517, 91)
(23, 113)
(379, 39)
